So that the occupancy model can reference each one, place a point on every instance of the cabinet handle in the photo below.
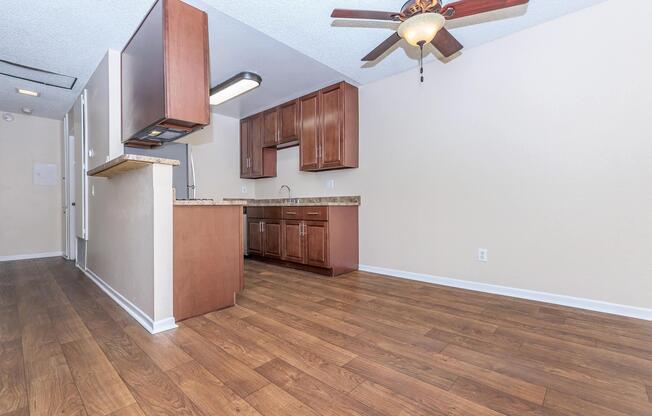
(291, 213)
(301, 229)
(262, 227)
(313, 213)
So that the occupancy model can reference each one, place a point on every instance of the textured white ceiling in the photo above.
(294, 45)
(307, 27)
(65, 36)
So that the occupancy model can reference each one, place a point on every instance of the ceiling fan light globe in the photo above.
(421, 28)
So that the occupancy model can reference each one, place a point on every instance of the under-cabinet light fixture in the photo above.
(234, 87)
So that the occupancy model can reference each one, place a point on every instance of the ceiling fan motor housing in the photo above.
(414, 7)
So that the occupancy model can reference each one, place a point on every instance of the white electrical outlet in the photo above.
(330, 184)
(483, 255)
(244, 189)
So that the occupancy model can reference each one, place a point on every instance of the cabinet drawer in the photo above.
(315, 213)
(274, 213)
(293, 213)
(255, 212)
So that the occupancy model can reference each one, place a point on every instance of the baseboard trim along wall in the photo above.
(32, 256)
(154, 327)
(580, 303)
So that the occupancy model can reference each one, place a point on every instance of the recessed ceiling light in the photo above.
(27, 92)
(235, 86)
(8, 117)
(27, 110)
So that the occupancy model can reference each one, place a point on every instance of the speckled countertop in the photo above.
(206, 202)
(125, 163)
(307, 202)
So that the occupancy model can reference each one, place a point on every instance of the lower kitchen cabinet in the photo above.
(255, 236)
(320, 239)
(316, 241)
(293, 249)
(272, 234)
(207, 258)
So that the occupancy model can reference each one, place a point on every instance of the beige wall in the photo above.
(536, 147)
(130, 244)
(216, 151)
(30, 215)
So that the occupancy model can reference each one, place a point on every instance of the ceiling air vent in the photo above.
(39, 76)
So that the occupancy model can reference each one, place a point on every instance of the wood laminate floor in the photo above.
(300, 344)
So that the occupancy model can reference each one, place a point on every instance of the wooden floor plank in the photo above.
(100, 387)
(232, 372)
(271, 400)
(13, 391)
(210, 394)
(298, 343)
(158, 347)
(309, 390)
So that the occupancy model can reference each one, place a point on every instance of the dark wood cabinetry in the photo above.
(324, 124)
(323, 239)
(329, 128)
(288, 122)
(309, 132)
(271, 128)
(207, 261)
(256, 161)
(165, 75)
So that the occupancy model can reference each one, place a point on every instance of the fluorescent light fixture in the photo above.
(27, 92)
(235, 86)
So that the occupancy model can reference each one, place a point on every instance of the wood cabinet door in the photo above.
(245, 153)
(332, 132)
(256, 145)
(288, 122)
(272, 236)
(309, 131)
(316, 240)
(270, 127)
(255, 236)
(293, 247)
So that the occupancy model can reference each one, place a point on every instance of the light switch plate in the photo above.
(483, 255)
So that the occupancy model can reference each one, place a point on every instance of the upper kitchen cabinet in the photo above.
(256, 161)
(165, 75)
(271, 128)
(288, 120)
(328, 128)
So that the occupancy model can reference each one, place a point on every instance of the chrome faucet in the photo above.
(289, 191)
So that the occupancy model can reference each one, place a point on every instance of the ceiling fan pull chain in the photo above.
(421, 60)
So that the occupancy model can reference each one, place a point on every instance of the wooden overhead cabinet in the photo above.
(328, 128)
(288, 120)
(270, 128)
(324, 124)
(165, 75)
(256, 161)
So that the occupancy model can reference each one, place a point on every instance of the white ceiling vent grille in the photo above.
(39, 76)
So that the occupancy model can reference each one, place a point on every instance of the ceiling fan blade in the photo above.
(362, 14)
(465, 8)
(383, 47)
(446, 43)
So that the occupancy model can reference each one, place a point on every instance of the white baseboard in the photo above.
(581, 303)
(154, 327)
(31, 256)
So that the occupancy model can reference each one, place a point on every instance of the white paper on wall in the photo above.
(45, 174)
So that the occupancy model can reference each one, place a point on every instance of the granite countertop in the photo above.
(294, 202)
(206, 202)
(125, 163)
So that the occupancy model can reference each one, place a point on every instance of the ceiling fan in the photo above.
(422, 22)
